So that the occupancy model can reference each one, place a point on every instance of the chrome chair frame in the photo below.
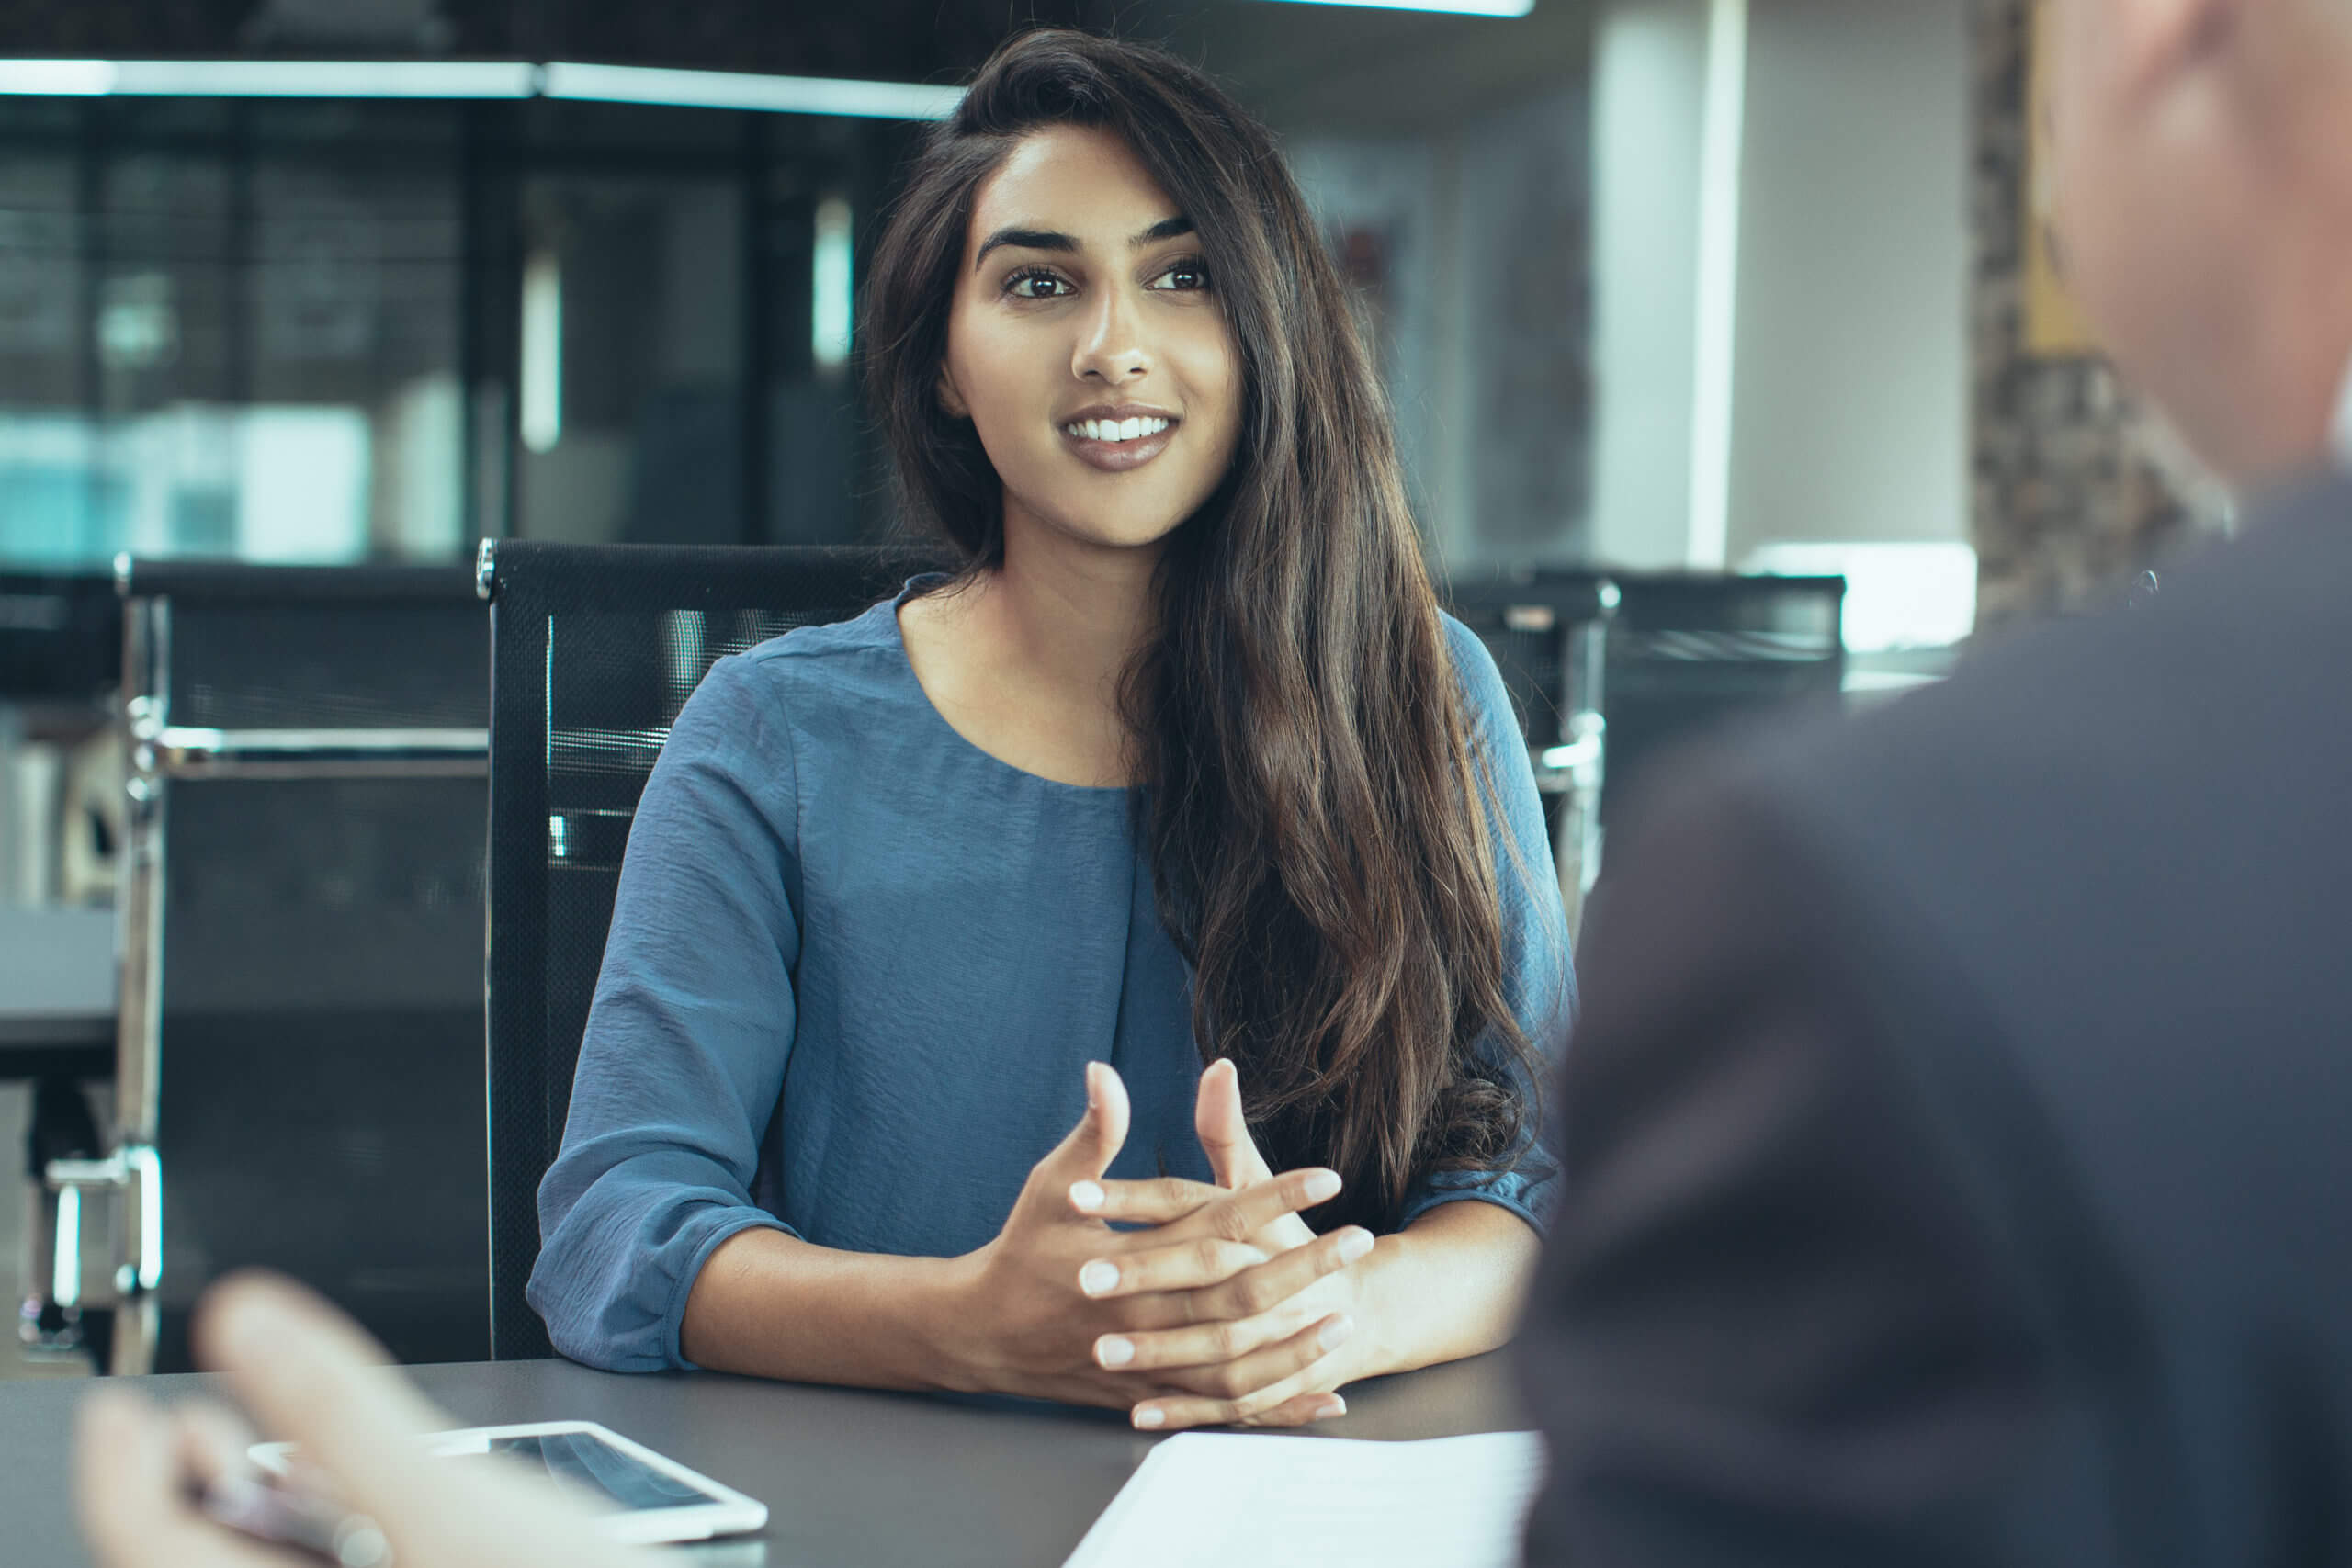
(130, 1175)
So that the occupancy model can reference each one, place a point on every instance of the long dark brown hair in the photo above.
(1320, 830)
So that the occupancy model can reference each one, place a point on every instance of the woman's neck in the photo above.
(1067, 615)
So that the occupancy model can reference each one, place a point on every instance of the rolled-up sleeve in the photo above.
(1537, 968)
(688, 1038)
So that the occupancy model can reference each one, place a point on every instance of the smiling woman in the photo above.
(1184, 768)
(1106, 324)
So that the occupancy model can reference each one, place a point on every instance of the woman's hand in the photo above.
(1057, 1282)
(1270, 1345)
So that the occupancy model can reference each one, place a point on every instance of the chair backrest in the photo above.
(1689, 651)
(301, 932)
(594, 649)
(1544, 630)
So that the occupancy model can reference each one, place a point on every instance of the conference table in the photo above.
(851, 1478)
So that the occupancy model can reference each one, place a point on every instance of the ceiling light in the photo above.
(740, 90)
(270, 78)
(478, 79)
(1456, 7)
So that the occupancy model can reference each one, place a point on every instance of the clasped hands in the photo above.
(1222, 1307)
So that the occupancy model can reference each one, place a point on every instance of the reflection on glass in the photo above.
(831, 299)
(632, 367)
(542, 411)
(217, 341)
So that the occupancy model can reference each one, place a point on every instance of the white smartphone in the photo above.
(639, 1495)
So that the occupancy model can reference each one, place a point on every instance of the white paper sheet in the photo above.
(1241, 1501)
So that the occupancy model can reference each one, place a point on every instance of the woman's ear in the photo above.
(949, 398)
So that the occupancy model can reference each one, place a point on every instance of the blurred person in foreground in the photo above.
(308, 1374)
(1959, 1132)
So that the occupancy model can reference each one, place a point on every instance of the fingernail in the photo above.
(1094, 1077)
(1355, 1244)
(1322, 1185)
(1336, 1334)
(1114, 1351)
(1334, 1406)
(1085, 1196)
(1146, 1417)
(1098, 1277)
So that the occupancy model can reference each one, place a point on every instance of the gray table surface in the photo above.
(851, 1478)
(57, 977)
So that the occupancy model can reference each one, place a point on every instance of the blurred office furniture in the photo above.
(60, 655)
(1549, 634)
(60, 636)
(595, 648)
(57, 1031)
(1691, 651)
(298, 1059)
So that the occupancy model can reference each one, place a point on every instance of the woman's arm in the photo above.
(773, 1305)
(1450, 1284)
(1016, 1316)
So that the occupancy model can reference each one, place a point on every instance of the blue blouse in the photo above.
(857, 968)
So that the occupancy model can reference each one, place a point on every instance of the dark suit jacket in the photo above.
(1959, 1133)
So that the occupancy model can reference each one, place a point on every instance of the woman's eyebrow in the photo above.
(1053, 240)
(1166, 229)
(1027, 240)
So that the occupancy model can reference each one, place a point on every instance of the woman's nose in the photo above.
(1110, 345)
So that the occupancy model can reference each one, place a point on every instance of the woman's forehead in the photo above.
(1075, 180)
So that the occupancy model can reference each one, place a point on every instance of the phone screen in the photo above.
(585, 1461)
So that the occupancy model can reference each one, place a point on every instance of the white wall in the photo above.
(1850, 379)
(1648, 88)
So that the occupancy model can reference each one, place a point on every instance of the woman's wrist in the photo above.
(1382, 1281)
(948, 1318)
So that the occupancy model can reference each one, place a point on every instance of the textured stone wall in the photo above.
(2066, 498)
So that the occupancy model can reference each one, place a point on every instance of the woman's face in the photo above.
(1087, 345)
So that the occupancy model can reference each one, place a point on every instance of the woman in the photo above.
(1186, 765)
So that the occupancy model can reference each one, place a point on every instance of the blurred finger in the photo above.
(1224, 1130)
(212, 1442)
(132, 1495)
(1185, 1265)
(310, 1375)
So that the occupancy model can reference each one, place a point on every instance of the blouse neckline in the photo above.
(905, 665)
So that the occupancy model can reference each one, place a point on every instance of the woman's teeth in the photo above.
(1114, 428)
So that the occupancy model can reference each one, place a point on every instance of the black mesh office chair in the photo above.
(297, 1069)
(1549, 631)
(1690, 651)
(595, 650)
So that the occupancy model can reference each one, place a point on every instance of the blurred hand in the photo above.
(310, 1375)
(1266, 1346)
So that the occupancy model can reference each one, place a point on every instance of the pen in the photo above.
(306, 1523)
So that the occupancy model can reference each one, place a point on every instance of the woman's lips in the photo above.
(1119, 457)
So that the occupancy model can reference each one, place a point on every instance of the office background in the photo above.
(1644, 301)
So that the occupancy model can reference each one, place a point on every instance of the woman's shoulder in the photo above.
(799, 681)
(1476, 675)
(860, 660)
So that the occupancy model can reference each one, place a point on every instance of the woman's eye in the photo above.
(1184, 278)
(1037, 286)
